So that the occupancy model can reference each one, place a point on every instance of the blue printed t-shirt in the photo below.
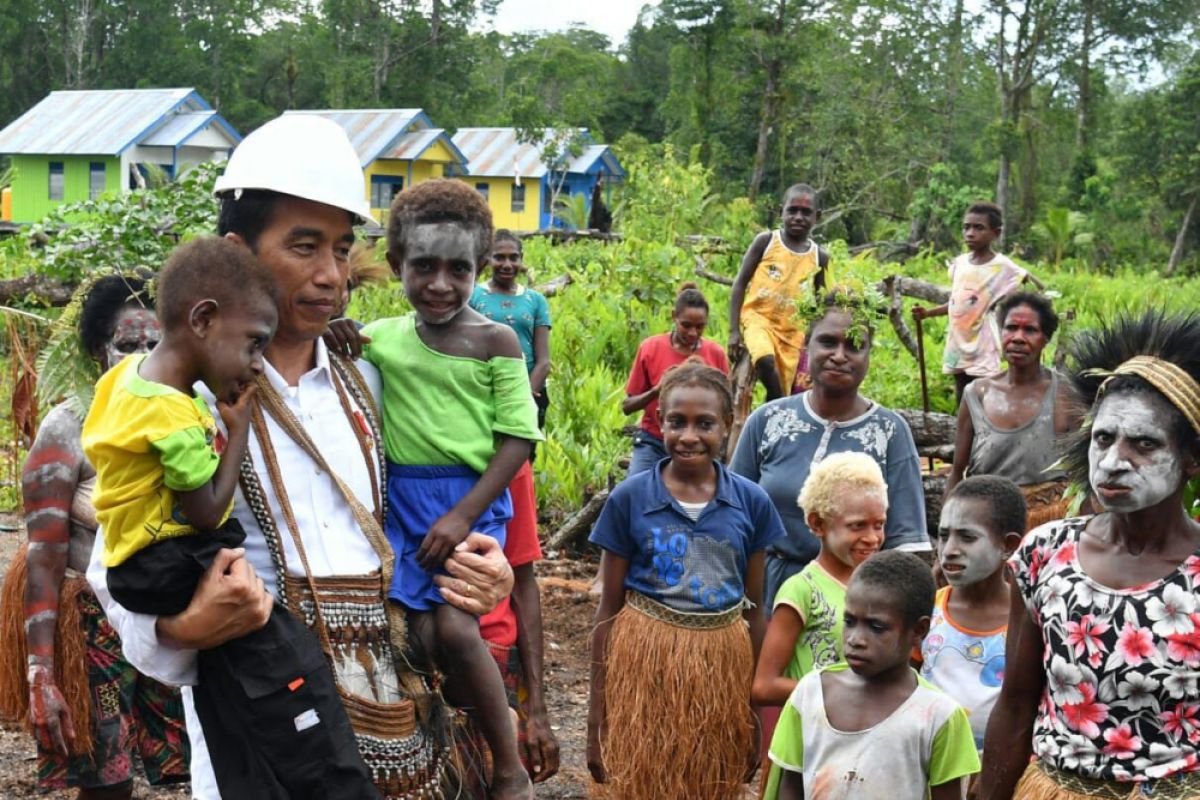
(785, 437)
(694, 567)
(524, 312)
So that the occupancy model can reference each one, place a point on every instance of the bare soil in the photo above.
(567, 614)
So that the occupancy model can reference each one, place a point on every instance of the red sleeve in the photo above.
(715, 356)
(639, 381)
(521, 544)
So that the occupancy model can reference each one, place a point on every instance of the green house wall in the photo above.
(31, 182)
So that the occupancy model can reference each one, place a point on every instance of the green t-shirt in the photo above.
(441, 410)
(819, 599)
(925, 742)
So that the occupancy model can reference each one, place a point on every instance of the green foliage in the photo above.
(939, 205)
(138, 229)
(1062, 231)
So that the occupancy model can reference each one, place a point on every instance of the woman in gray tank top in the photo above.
(1009, 425)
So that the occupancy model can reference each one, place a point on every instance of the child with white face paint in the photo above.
(982, 522)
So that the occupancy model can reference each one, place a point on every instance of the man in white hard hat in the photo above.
(309, 497)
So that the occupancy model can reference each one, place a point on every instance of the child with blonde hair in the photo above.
(845, 503)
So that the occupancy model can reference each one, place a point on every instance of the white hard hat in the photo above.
(301, 155)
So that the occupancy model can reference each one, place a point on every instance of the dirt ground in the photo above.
(567, 614)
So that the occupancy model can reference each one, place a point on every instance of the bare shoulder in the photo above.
(499, 339)
(61, 429)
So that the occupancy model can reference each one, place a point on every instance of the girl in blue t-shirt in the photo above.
(680, 619)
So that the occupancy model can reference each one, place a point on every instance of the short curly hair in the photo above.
(904, 577)
(839, 476)
(211, 267)
(1006, 504)
(993, 212)
(442, 200)
(108, 295)
(1041, 305)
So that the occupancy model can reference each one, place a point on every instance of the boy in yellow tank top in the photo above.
(776, 270)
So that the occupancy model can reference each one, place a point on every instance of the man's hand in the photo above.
(541, 745)
(479, 578)
(920, 312)
(343, 338)
(48, 713)
(229, 603)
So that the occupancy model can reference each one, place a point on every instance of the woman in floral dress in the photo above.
(782, 439)
(1104, 634)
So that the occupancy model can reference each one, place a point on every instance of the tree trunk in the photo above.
(1181, 237)
(954, 68)
(770, 100)
(765, 123)
(930, 430)
(1083, 120)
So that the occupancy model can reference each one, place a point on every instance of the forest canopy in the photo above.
(1081, 117)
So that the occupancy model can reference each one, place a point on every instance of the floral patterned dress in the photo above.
(1122, 665)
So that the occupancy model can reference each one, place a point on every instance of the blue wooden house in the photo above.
(518, 182)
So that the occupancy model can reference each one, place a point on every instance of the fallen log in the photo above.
(37, 287)
(573, 533)
(930, 430)
(555, 285)
(704, 272)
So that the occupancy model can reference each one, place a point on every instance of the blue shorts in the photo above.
(417, 497)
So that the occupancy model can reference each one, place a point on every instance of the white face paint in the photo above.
(1133, 460)
(967, 551)
(439, 269)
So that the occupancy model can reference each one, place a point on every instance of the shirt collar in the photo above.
(872, 407)
(281, 385)
(658, 498)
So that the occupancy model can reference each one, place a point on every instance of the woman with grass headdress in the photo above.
(782, 439)
(63, 668)
(1104, 629)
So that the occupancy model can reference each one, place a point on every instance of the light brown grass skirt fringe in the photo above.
(70, 653)
(1045, 503)
(1038, 783)
(677, 701)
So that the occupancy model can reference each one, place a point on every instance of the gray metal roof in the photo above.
(179, 128)
(373, 131)
(94, 122)
(497, 152)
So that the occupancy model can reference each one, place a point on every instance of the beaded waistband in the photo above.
(1183, 786)
(683, 619)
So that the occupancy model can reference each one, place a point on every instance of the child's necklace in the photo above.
(680, 346)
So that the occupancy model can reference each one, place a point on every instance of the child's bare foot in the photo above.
(511, 786)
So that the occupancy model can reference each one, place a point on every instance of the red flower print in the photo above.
(1185, 647)
(1084, 635)
(1181, 721)
(1085, 716)
(1121, 742)
(1135, 644)
(1065, 554)
(1191, 567)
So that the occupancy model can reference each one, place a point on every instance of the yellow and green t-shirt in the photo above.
(147, 441)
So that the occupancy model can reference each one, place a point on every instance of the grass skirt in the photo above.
(70, 653)
(1040, 783)
(1045, 503)
(678, 716)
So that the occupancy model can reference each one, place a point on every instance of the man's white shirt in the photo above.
(333, 541)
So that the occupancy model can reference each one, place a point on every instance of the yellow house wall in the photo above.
(500, 201)
(422, 170)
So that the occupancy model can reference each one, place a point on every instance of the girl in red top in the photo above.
(655, 356)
